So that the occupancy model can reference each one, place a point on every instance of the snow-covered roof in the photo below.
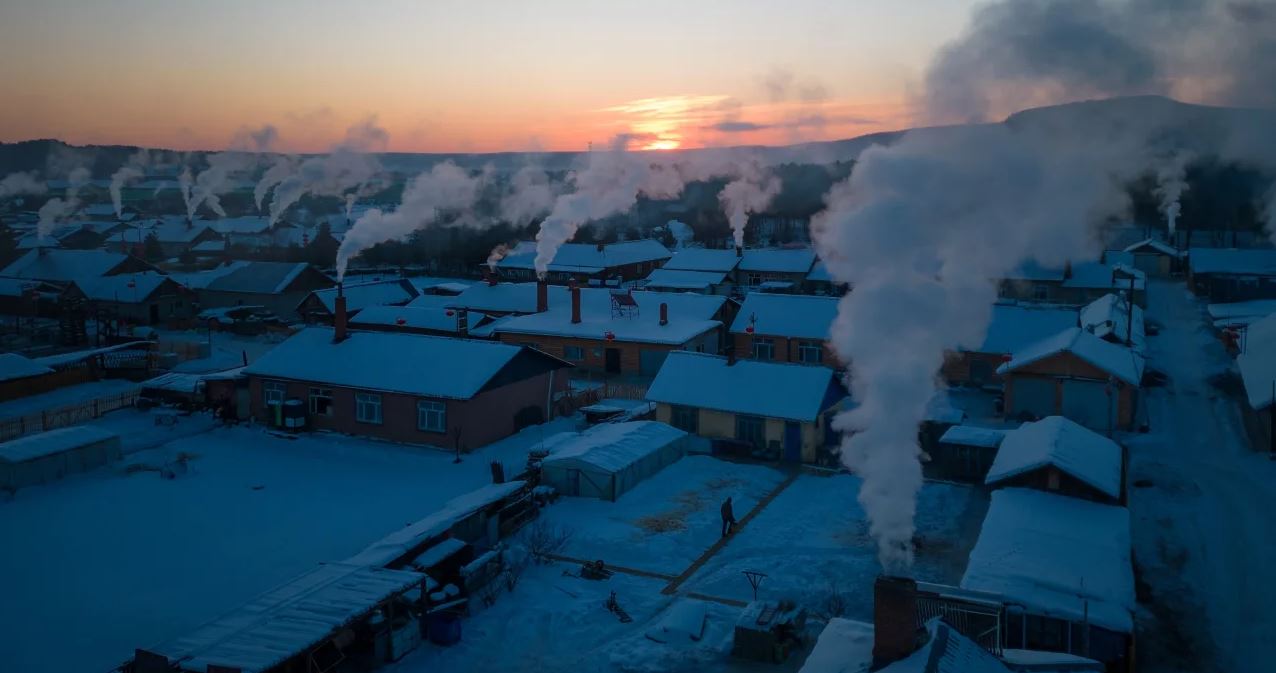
(588, 258)
(703, 259)
(79, 356)
(288, 619)
(778, 261)
(1032, 270)
(1117, 360)
(124, 288)
(772, 389)
(1241, 312)
(820, 273)
(18, 287)
(430, 318)
(1154, 245)
(1109, 316)
(1092, 275)
(15, 366)
(259, 277)
(1065, 444)
(388, 361)
(499, 298)
(844, 646)
(612, 447)
(52, 442)
(198, 280)
(677, 279)
(1235, 261)
(1015, 326)
(248, 224)
(787, 315)
(396, 291)
(168, 229)
(690, 315)
(1257, 363)
(969, 435)
(212, 245)
(1118, 257)
(398, 543)
(1058, 556)
(61, 265)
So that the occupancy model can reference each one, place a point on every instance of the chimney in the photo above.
(664, 314)
(462, 322)
(339, 317)
(1067, 269)
(739, 251)
(542, 296)
(730, 355)
(489, 276)
(895, 632)
(575, 290)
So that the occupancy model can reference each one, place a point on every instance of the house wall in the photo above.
(481, 420)
(959, 367)
(786, 349)
(1040, 479)
(744, 278)
(959, 462)
(595, 349)
(1228, 288)
(170, 306)
(714, 424)
(1067, 366)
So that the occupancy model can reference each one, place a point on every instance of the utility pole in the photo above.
(1129, 315)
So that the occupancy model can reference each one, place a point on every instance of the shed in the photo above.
(964, 453)
(608, 460)
(49, 456)
(1057, 454)
(1155, 257)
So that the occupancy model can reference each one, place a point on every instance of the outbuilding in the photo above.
(608, 460)
(1155, 257)
(49, 456)
(1057, 455)
(1232, 274)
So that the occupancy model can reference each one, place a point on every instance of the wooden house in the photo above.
(278, 286)
(1014, 326)
(784, 268)
(320, 305)
(1058, 455)
(136, 298)
(1232, 274)
(1155, 257)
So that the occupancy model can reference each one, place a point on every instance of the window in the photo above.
(321, 401)
(1040, 292)
(755, 279)
(367, 408)
(763, 349)
(431, 416)
(274, 392)
(751, 429)
(686, 419)
(574, 353)
(811, 352)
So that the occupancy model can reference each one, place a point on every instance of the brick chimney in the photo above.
(664, 314)
(339, 316)
(1067, 269)
(895, 632)
(739, 251)
(462, 322)
(575, 290)
(489, 275)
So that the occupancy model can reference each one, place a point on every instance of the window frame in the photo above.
(579, 355)
(362, 400)
(427, 408)
(678, 415)
(747, 420)
(763, 341)
(269, 387)
(805, 347)
(317, 393)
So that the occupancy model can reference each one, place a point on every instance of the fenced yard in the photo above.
(65, 416)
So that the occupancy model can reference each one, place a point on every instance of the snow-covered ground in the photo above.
(64, 397)
(812, 542)
(667, 521)
(100, 563)
(1201, 506)
(227, 347)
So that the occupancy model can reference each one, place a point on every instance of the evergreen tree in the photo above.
(152, 251)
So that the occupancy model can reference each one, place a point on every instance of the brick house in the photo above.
(137, 298)
(785, 328)
(1232, 274)
(278, 286)
(583, 262)
(320, 305)
(1013, 327)
(618, 331)
(1077, 375)
(1058, 455)
(781, 409)
(409, 388)
(774, 268)
(56, 265)
(706, 270)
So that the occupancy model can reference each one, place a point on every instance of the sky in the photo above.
(465, 76)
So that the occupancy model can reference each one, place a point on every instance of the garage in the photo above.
(1088, 403)
(1034, 397)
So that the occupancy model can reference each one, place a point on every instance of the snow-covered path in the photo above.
(1202, 505)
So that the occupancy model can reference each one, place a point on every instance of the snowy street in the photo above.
(1201, 501)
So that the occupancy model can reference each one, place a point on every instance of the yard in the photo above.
(103, 562)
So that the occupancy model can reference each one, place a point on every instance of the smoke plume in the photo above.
(18, 184)
(282, 167)
(1171, 182)
(531, 195)
(498, 253)
(445, 189)
(750, 193)
(132, 169)
(207, 188)
(681, 232)
(58, 209)
(349, 166)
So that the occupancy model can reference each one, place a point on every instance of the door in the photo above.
(1088, 403)
(1033, 397)
(611, 361)
(154, 313)
(792, 442)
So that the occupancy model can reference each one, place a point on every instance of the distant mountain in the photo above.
(1201, 128)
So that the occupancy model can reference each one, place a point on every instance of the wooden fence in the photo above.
(62, 417)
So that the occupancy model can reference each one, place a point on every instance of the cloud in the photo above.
(738, 127)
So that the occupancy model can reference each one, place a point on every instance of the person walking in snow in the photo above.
(728, 517)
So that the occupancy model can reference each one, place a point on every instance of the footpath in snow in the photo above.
(1202, 505)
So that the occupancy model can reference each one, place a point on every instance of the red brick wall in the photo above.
(786, 349)
(630, 358)
(487, 417)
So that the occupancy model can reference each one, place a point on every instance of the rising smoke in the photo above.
(921, 228)
(132, 169)
(58, 209)
(1171, 182)
(349, 167)
(19, 184)
(206, 188)
(751, 192)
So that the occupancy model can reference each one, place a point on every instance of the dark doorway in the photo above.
(792, 442)
(611, 361)
(154, 313)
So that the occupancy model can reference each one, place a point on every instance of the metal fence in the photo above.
(62, 417)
